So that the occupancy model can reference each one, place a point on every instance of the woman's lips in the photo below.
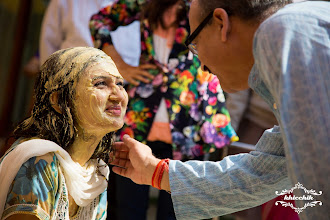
(114, 110)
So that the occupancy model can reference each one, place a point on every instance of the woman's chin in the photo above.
(115, 126)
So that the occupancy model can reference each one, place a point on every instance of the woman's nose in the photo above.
(116, 95)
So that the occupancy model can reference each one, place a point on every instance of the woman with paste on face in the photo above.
(56, 168)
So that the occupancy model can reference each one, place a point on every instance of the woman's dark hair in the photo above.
(59, 74)
(249, 10)
(153, 11)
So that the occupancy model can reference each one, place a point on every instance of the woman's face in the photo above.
(100, 99)
(170, 15)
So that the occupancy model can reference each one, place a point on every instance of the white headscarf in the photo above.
(84, 183)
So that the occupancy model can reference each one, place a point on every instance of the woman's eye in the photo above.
(120, 84)
(100, 83)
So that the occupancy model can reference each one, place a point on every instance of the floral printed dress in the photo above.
(39, 189)
(195, 102)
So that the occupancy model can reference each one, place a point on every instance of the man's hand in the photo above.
(136, 158)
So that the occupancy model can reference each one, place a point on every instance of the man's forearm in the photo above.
(204, 189)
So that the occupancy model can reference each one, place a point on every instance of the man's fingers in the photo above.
(121, 155)
(129, 142)
(120, 146)
(121, 162)
(119, 171)
(121, 166)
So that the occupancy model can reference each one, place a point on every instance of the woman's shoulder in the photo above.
(40, 170)
(35, 187)
(49, 157)
(45, 168)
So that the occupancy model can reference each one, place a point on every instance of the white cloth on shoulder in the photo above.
(84, 183)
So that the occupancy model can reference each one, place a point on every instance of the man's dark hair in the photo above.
(249, 10)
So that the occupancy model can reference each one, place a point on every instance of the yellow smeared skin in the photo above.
(90, 102)
(78, 61)
(83, 67)
(92, 119)
(93, 101)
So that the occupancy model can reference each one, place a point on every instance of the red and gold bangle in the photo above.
(158, 173)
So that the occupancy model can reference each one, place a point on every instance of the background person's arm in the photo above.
(131, 74)
(109, 19)
(51, 34)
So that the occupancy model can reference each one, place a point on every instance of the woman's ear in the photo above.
(53, 98)
(221, 17)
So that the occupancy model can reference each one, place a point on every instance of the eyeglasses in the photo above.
(188, 43)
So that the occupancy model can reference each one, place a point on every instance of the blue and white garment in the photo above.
(40, 185)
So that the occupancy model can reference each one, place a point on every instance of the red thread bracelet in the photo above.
(158, 173)
(154, 175)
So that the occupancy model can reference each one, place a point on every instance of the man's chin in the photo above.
(229, 90)
(233, 87)
(225, 87)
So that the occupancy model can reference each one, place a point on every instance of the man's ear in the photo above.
(53, 98)
(221, 17)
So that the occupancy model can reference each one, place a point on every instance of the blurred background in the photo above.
(20, 23)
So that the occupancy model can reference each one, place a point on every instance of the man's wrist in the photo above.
(153, 161)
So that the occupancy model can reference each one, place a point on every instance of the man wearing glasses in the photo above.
(284, 56)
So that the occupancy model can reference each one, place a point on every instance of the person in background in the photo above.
(283, 54)
(250, 115)
(65, 24)
(175, 107)
(57, 167)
